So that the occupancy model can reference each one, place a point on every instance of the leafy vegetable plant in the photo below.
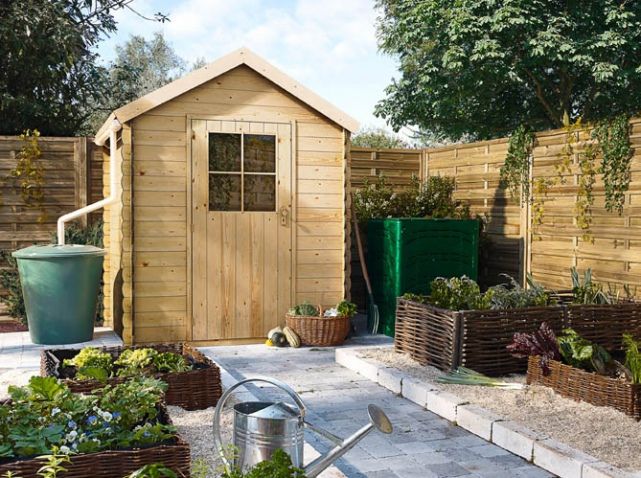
(45, 417)
(540, 343)
(632, 358)
(305, 309)
(587, 291)
(91, 363)
(581, 353)
(280, 466)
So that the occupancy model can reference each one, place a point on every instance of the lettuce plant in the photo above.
(540, 343)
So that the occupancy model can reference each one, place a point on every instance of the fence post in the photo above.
(81, 155)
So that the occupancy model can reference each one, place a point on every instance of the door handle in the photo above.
(284, 216)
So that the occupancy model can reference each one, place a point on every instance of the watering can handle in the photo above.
(218, 441)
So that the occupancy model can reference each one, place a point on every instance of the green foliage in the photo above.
(432, 198)
(132, 362)
(484, 67)
(169, 362)
(632, 358)
(614, 142)
(28, 176)
(141, 66)
(280, 466)
(463, 293)
(377, 138)
(46, 418)
(586, 291)
(513, 296)
(49, 71)
(54, 465)
(304, 309)
(581, 353)
(515, 171)
(155, 470)
(346, 308)
(457, 293)
(10, 282)
(91, 363)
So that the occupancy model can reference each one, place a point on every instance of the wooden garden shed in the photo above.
(232, 205)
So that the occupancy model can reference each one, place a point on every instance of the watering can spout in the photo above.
(378, 420)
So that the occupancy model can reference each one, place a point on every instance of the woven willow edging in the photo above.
(319, 331)
(196, 389)
(477, 339)
(114, 463)
(588, 387)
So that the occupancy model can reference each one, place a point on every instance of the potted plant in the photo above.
(319, 327)
(414, 236)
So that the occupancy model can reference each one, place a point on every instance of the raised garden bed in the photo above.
(113, 463)
(477, 339)
(587, 387)
(195, 389)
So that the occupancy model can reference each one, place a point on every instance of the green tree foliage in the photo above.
(483, 67)
(378, 138)
(48, 70)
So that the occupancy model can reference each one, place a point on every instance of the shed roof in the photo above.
(242, 56)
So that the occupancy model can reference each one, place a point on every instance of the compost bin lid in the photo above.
(56, 250)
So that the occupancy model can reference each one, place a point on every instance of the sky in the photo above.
(327, 45)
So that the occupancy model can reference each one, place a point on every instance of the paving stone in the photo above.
(443, 404)
(476, 419)
(415, 391)
(515, 438)
(603, 470)
(390, 378)
(337, 399)
(488, 450)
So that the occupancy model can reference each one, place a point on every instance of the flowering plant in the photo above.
(45, 416)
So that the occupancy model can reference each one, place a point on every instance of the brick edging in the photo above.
(545, 452)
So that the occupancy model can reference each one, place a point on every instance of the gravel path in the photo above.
(602, 432)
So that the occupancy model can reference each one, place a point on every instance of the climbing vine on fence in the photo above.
(28, 174)
(515, 172)
(614, 142)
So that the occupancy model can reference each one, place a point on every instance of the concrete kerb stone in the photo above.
(553, 456)
(560, 459)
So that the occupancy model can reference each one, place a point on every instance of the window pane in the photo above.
(260, 193)
(224, 152)
(260, 153)
(224, 192)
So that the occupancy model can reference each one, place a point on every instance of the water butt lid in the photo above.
(276, 411)
(55, 250)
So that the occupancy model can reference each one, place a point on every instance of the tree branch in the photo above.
(552, 115)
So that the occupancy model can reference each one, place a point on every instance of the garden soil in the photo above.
(602, 432)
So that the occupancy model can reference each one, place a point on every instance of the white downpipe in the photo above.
(113, 185)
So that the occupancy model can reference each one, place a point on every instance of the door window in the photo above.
(242, 172)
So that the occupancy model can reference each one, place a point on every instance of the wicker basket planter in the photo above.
(319, 331)
(588, 387)
(476, 339)
(196, 389)
(113, 463)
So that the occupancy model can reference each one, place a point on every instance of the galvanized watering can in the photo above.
(261, 428)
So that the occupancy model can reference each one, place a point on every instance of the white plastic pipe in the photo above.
(113, 184)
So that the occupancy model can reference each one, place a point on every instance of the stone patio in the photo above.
(423, 445)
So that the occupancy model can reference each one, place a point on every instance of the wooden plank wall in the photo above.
(397, 166)
(475, 168)
(557, 244)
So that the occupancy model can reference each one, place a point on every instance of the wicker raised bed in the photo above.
(476, 339)
(319, 331)
(588, 387)
(196, 389)
(113, 463)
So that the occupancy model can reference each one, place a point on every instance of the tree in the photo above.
(482, 67)
(378, 138)
(48, 69)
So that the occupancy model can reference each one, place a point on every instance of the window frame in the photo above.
(242, 173)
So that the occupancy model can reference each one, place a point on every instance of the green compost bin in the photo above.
(60, 285)
(406, 254)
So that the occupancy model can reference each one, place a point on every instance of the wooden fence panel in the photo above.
(476, 168)
(72, 179)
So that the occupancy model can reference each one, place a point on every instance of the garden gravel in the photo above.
(602, 432)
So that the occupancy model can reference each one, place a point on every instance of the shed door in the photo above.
(242, 235)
